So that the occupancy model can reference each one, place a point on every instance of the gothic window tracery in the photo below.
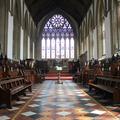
(57, 39)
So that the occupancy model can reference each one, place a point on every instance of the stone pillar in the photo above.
(3, 26)
(31, 48)
(76, 48)
(95, 48)
(16, 39)
(87, 48)
(114, 27)
(38, 49)
(25, 45)
(78, 53)
(21, 44)
(108, 36)
(119, 24)
(28, 47)
(10, 37)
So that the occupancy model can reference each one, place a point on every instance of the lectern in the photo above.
(59, 69)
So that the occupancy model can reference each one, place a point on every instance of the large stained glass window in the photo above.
(57, 39)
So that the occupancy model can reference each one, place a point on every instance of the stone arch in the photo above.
(70, 20)
(64, 14)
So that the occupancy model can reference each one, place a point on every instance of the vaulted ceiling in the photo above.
(40, 8)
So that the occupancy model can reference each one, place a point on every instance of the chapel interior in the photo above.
(59, 59)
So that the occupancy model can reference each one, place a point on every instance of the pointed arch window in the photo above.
(57, 39)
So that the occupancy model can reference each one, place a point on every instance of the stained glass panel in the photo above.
(43, 43)
(58, 48)
(43, 48)
(72, 47)
(103, 28)
(62, 48)
(48, 48)
(53, 48)
(67, 48)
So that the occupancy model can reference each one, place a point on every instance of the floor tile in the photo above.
(85, 99)
(13, 108)
(4, 118)
(34, 105)
(63, 113)
(90, 104)
(98, 112)
(20, 102)
(29, 113)
(24, 98)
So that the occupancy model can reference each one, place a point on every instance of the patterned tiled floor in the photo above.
(51, 101)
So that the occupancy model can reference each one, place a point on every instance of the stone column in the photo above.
(31, 47)
(21, 44)
(119, 24)
(108, 36)
(76, 48)
(38, 49)
(16, 39)
(10, 37)
(33, 50)
(3, 26)
(95, 48)
(25, 45)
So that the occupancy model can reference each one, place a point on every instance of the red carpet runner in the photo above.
(52, 75)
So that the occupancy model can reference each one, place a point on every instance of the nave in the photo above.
(51, 101)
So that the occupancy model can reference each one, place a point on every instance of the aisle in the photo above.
(50, 101)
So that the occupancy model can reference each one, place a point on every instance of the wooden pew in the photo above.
(32, 71)
(85, 78)
(13, 87)
(109, 85)
(77, 77)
